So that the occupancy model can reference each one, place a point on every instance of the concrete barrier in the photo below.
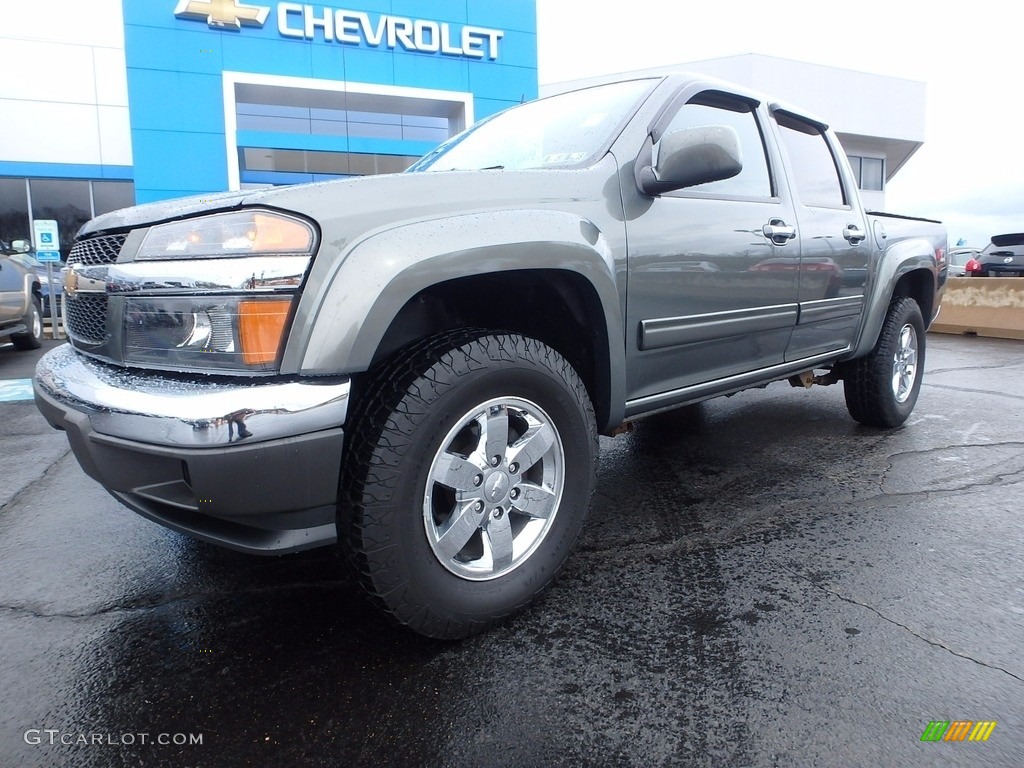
(984, 306)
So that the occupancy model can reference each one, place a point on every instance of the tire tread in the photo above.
(391, 401)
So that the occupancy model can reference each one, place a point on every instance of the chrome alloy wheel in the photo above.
(494, 488)
(904, 364)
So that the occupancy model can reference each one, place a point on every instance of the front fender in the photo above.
(340, 325)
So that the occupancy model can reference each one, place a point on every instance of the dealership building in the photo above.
(111, 102)
(116, 102)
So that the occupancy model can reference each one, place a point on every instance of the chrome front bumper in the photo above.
(251, 466)
(160, 410)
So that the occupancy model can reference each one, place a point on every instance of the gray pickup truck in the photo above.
(417, 366)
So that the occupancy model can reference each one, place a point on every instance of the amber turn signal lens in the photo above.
(261, 329)
(277, 233)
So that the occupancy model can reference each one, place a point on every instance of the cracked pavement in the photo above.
(761, 582)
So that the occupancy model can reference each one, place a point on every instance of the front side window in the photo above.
(812, 167)
(557, 132)
(712, 109)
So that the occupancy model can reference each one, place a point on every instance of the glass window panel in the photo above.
(64, 200)
(811, 163)
(425, 121)
(288, 160)
(375, 131)
(259, 159)
(368, 165)
(329, 127)
(872, 173)
(272, 110)
(385, 118)
(753, 180)
(855, 167)
(14, 222)
(253, 159)
(112, 195)
(328, 114)
(327, 162)
(417, 133)
(276, 124)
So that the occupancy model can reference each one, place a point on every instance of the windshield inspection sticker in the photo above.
(563, 158)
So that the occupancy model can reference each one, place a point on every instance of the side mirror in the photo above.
(691, 156)
(21, 246)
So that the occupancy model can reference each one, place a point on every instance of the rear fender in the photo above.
(899, 260)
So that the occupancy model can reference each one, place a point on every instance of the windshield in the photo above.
(559, 131)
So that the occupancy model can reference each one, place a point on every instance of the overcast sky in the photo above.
(970, 171)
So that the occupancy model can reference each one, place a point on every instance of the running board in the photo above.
(644, 406)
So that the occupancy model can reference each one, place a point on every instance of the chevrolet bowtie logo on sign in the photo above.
(338, 25)
(223, 14)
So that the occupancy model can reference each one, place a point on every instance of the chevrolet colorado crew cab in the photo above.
(417, 366)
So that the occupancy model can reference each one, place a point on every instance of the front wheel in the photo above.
(881, 388)
(33, 337)
(467, 479)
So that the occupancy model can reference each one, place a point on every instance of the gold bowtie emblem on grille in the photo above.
(93, 281)
(223, 14)
(70, 282)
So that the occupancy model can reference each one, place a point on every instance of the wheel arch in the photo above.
(563, 310)
(546, 274)
(907, 269)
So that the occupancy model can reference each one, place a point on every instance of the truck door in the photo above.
(712, 283)
(12, 291)
(834, 248)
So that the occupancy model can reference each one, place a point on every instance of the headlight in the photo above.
(227, 333)
(242, 233)
(212, 293)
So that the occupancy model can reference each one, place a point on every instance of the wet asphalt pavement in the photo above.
(762, 582)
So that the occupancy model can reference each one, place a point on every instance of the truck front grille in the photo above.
(96, 251)
(85, 316)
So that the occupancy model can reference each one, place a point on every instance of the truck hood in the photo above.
(346, 205)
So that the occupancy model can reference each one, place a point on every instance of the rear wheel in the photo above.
(468, 476)
(881, 388)
(33, 337)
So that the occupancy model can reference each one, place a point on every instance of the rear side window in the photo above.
(1007, 245)
(718, 109)
(811, 163)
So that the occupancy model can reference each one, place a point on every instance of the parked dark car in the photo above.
(1003, 257)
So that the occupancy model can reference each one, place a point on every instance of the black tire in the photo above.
(428, 412)
(881, 388)
(33, 337)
